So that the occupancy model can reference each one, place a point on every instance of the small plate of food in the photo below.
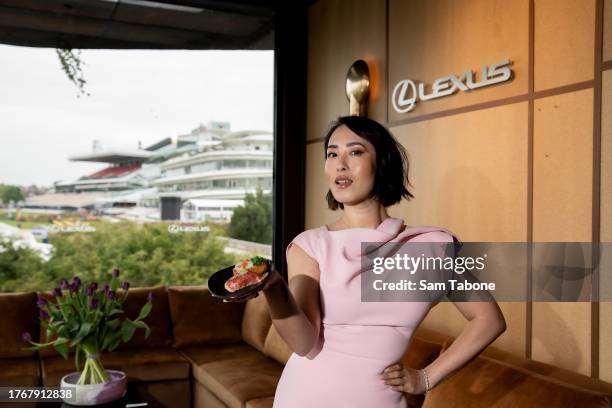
(236, 281)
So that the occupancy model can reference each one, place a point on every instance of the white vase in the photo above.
(94, 394)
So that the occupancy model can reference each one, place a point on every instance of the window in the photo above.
(163, 105)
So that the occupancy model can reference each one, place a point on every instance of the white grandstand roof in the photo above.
(113, 156)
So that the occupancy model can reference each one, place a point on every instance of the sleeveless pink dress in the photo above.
(357, 339)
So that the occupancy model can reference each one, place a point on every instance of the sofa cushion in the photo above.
(203, 397)
(23, 372)
(158, 320)
(486, 382)
(265, 402)
(199, 318)
(276, 347)
(234, 373)
(198, 355)
(148, 364)
(19, 314)
(256, 322)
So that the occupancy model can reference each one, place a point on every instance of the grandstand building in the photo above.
(201, 175)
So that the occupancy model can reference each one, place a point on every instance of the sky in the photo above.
(136, 95)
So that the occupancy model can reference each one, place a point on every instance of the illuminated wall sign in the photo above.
(406, 93)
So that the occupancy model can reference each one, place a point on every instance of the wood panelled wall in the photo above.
(528, 160)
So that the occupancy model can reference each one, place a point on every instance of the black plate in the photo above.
(216, 284)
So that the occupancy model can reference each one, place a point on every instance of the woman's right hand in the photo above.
(272, 280)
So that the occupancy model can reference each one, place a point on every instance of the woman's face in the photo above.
(350, 166)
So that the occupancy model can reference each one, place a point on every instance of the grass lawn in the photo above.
(22, 224)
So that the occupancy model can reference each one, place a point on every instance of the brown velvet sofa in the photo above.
(205, 353)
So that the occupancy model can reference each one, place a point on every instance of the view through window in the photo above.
(158, 163)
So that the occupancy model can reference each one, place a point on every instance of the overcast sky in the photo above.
(135, 96)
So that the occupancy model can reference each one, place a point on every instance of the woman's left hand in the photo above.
(404, 379)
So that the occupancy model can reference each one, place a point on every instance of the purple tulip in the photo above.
(73, 287)
(93, 304)
(106, 288)
(42, 302)
(89, 291)
(26, 337)
(115, 272)
(125, 285)
(57, 292)
(94, 285)
(43, 314)
(76, 280)
(110, 295)
(150, 297)
(64, 284)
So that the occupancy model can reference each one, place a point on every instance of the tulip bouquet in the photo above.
(88, 319)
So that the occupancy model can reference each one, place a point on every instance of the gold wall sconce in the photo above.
(358, 88)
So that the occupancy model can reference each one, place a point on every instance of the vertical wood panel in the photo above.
(464, 175)
(564, 42)
(464, 179)
(563, 149)
(340, 32)
(435, 38)
(605, 314)
(607, 31)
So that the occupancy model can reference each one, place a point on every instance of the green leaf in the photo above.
(62, 348)
(113, 324)
(109, 339)
(83, 332)
(63, 331)
(142, 325)
(77, 356)
(127, 330)
(257, 260)
(114, 344)
(114, 312)
(114, 284)
(144, 312)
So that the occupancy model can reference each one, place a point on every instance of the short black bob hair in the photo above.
(391, 161)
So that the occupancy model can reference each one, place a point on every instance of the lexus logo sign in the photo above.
(406, 92)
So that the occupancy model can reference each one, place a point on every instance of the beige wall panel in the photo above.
(605, 312)
(339, 33)
(469, 173)
(562, 335)
(605, 341)
(563, 148)
(435, 38)
(563, 167)
(606, 157)
(607, 43)
(564, 42)
(445, 318)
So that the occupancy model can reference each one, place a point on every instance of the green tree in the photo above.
(148, 255)
(71, 65)
(10, 193)
(253, 221)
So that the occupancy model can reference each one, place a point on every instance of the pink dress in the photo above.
(357, 339)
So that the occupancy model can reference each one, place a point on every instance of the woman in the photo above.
(346, 352)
